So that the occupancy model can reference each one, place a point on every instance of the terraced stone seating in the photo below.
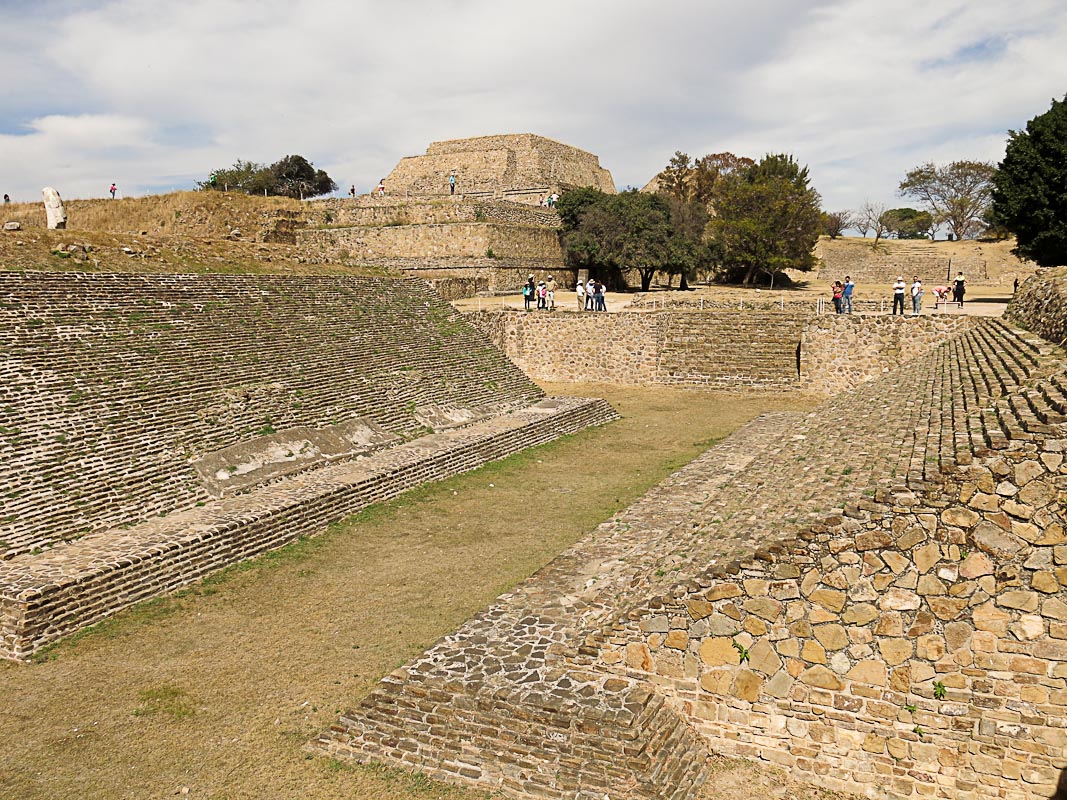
(560, 676)
(155, 428)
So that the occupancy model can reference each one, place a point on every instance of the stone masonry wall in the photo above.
(444, 241)
(1040, 305)
(373, 211)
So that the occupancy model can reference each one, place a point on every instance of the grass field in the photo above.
(216, 691)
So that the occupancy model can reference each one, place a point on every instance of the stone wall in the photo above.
(369, 210)
(1040, 305)
(877, 604)
(462, 240)
(522, 166)
(726, 350)
(980, 262)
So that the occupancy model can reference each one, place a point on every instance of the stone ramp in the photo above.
(44, 596)
(747, 499)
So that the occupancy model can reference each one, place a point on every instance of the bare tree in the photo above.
(873, 216)
(957, 194)
(835, 223)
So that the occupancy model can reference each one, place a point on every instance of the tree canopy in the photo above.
(908, 223)
(292, 176)
(1030, 188)
(957, 194)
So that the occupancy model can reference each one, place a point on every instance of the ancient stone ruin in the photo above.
(519, 167)
(158, 428)
(871, 595)
(53, 209)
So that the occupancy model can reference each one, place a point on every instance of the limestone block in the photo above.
(870, 672)
(717, 681)
(860, 614)
(959, 517)
(813, 652)
(832, 636)
(53, 209)
(912, 537)
(698, 609)
(987, 617)
(895, 651)
(990, 539)
(724, 591)
(746, 685)
(677, 640)
(830, 599)
(985, 502)
(719, 651)
(638, 656)
(1037, 494)
(957, 635)
(1019, 600)
(1044, 581)
(1053, 608)
(1028, 627)
(926, 556)
(930, 585)
(722, 625)
(897, 562)
(931, 647)
(755, 588)
(763, 658)
(976, 565)
(922, 624)
(755, 626)
(889, 624)
(899, 600)
(789, 648)
(822, 678)
(763, 607)
(779, 685)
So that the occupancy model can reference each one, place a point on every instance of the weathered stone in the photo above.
(930, 585)
(677, 640)
(926, 556)
(1028, 627)
(976, 565)
(638, 656)
(813, 652)
(717, 681)
(911, 537)
(12, 226)
(987, 617)
(895, 651)
(763, 658)
(985, 502)
(779, 685)
(872, 673)
(990, 539)
(1037, 494)
(832, 636)
(698, 609)
(822, 678)
(896, 562)
(830, 599)
(719, 651)
(860, 614)
(899, 600)
(1019, 600)
(957, 635)
(724, 591)
(924, 623)
(746, 685)
(889, 624)
(763, 607)
(873, 540)
(959, 517)
(1054, 608)
(931, 647)
(754, 626)
(721, 625)
(55, 214)
(1046, 582)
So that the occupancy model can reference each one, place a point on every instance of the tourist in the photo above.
(590, 295)
(898, 295)
(579, 290)
(550, 287)
(959, 288)
(542, 296)
(916, 296)
(113, 189)
(352, 192)
(837, 289)
(552, 200)
(1014, 286)
(601, 304)
(527, 293)
(452, 183)
(7, 199)
(381, 188)
(846, 296)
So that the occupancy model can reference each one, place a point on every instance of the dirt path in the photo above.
(217, 691)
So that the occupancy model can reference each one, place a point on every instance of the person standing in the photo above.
(846, 295)
(590, 295)
(381, 188)
(916, 296)
(959, 288)
(352, 192)
(579, 290)
(452, 183)
(7, 199)
(113, 189)
(550, 287)
(600, 305)
(838, 291)
(898, 295)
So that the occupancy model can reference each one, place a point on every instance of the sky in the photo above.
(154, 95)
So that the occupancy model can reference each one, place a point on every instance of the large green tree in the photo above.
(765, 218)
(631, 230)
(957, 194)
(292, 176)
(1030, 188)
(908, 223)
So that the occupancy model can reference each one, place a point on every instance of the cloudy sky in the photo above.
(153, 95)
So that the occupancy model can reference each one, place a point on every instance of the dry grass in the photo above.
(219, 689)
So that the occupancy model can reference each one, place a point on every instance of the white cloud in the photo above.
(155, 94)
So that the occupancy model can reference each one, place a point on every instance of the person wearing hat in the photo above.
(959, 288)
(898, 295)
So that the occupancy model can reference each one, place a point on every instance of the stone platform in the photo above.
(867, 594)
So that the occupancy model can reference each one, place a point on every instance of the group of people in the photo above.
(543, 292)
(842, 293)
(549, 200)
(591, 296)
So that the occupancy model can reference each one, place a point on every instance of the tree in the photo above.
(874, 218)
(631, 230)
(1030, 188)
(908, 223)
(292, 176)
(957, 194)
(765, 218)
(835, 223)
(688, 251)
(297, 177)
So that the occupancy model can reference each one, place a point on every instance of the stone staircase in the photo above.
(776, 479)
